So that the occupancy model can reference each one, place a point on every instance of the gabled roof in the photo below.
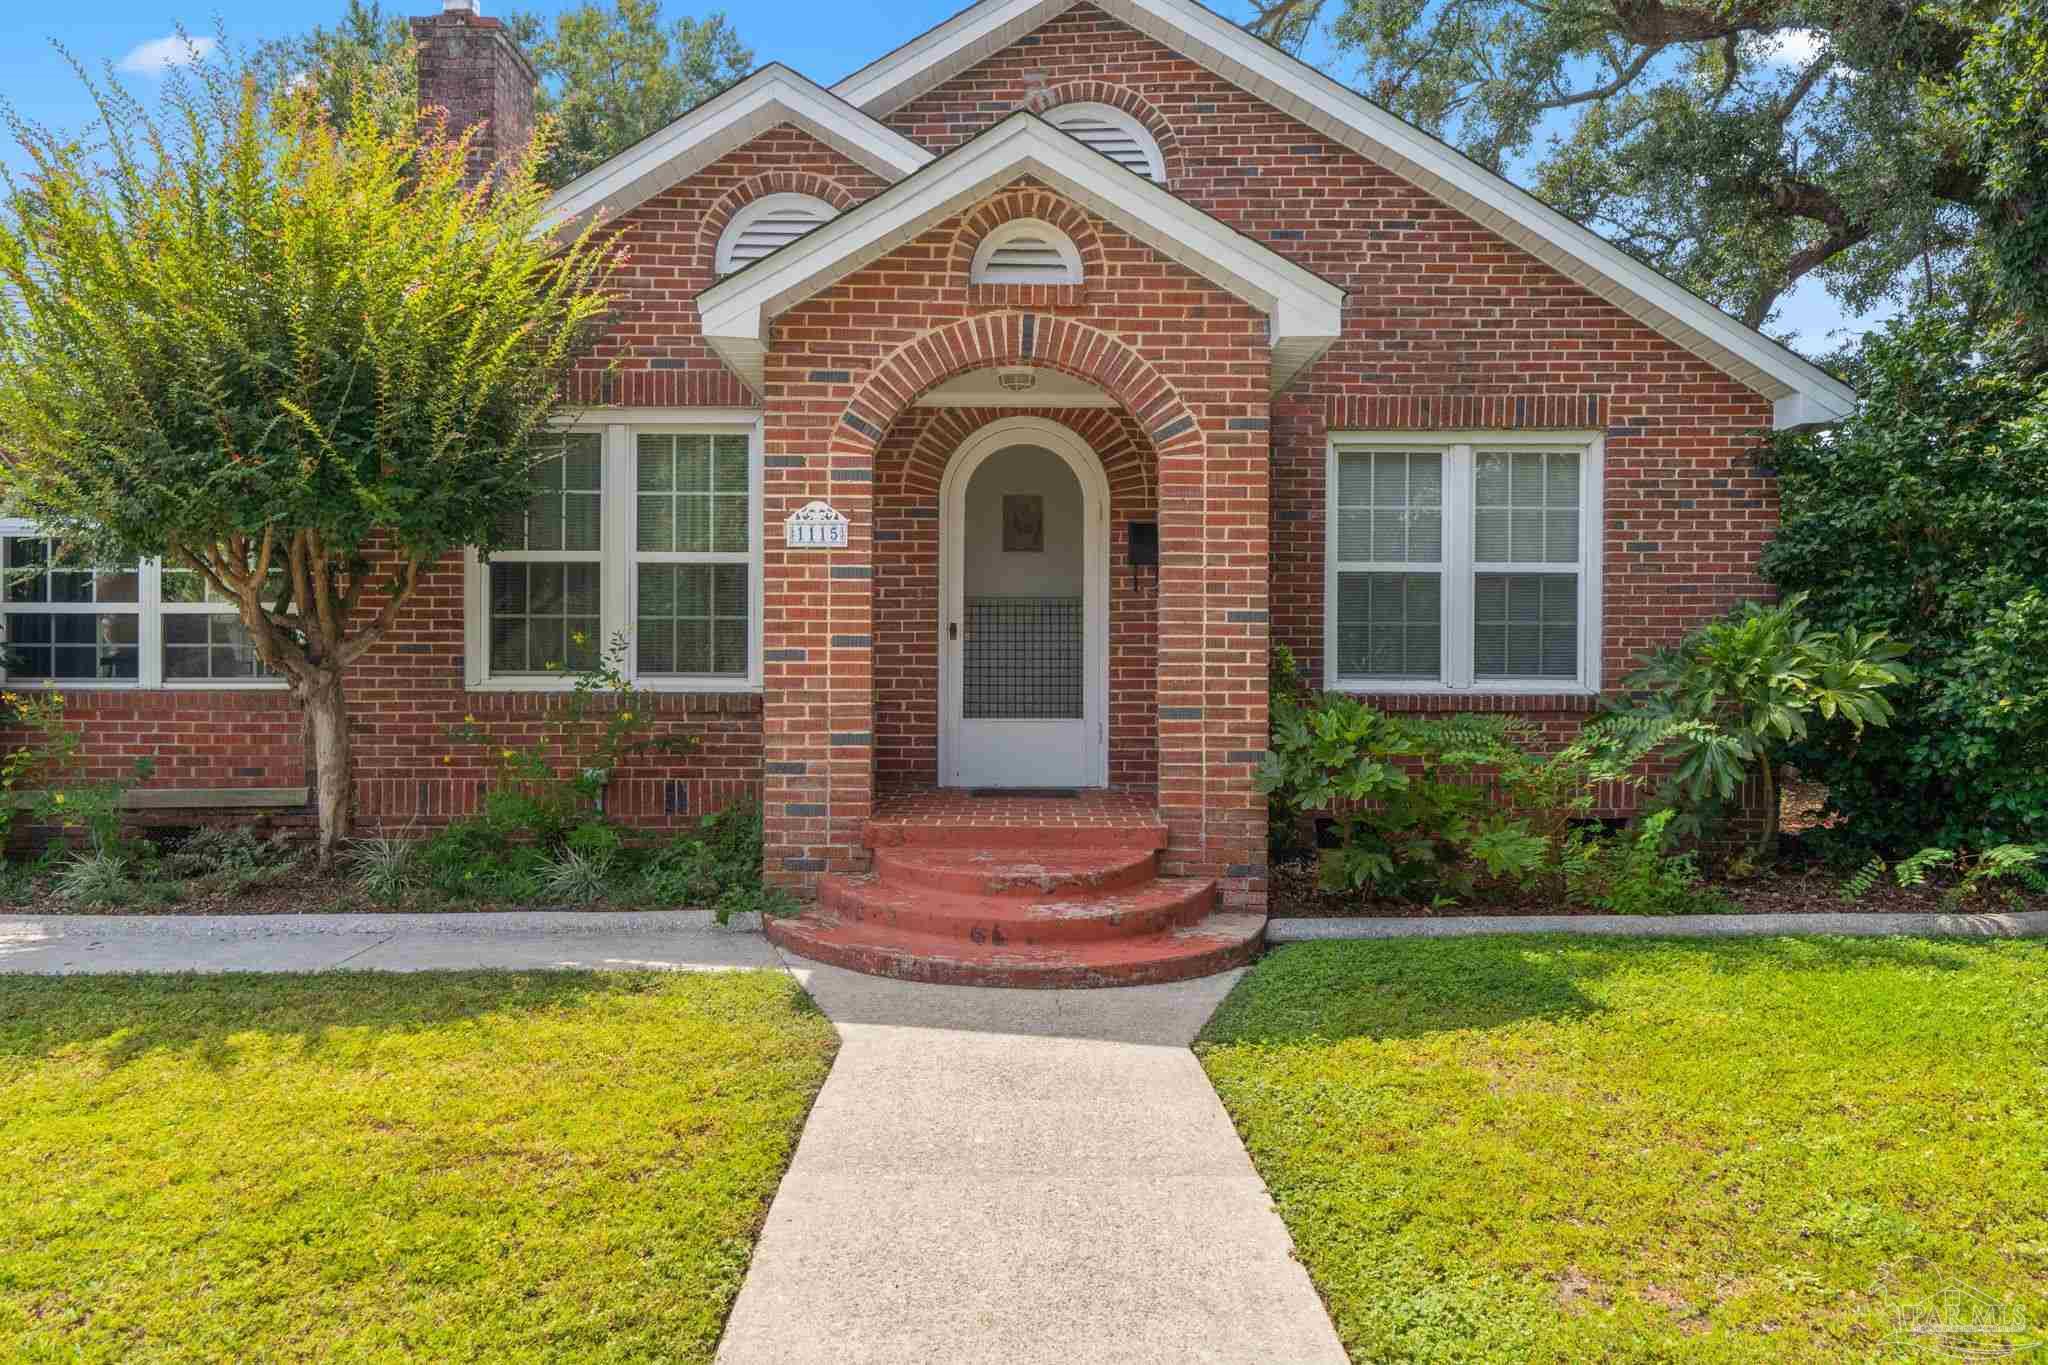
(1304, 309)
(1802, 392)
(728, 120)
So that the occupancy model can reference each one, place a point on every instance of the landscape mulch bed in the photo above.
(1294, 894)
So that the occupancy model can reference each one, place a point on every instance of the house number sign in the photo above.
(815, 526)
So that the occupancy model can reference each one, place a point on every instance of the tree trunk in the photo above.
(1767, 837)
(327, 712)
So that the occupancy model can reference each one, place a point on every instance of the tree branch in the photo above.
(387, 615)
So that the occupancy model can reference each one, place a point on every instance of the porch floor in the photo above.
(954, 808)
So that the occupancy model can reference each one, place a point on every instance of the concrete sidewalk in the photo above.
(608, 940)
(1017, 1175)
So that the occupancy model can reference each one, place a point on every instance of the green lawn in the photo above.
(1596, 1149)
(451, 1166)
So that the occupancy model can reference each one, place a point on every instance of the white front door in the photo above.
(1023, 634)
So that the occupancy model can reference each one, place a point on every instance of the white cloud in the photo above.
(1797, 46)
(159, 55)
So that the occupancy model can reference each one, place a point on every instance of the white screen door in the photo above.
(1022, 633)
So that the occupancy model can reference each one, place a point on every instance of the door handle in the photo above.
(952, 630)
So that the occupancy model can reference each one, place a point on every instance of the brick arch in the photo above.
(1038, 339)
(1116, 97)
(1116, 440)
(712, 226)
(1027, 201)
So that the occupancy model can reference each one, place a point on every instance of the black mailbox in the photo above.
(1145, 544)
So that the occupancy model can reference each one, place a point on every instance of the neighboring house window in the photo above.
(1464, 564)
(1115, 134)
(766, 224)
(138, 625)
(645, 530)
(1026, 251)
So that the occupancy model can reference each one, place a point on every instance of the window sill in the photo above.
(1526, 697)
(666, 687)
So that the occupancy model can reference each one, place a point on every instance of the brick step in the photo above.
(1016, 872)
(1037, 836)
(1216, 943)
(956, 917)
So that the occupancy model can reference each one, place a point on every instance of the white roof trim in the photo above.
(1305, 310)
(1348, 118)
(729, 120)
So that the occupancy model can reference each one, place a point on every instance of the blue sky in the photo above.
(825, 39)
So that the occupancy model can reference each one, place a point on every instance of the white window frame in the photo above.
(755, 209)
(1129, 126)
(618, 556)
(150, 609)
(1458, 568)
(1067, 272)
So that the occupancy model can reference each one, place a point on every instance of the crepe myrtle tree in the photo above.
(301, 356)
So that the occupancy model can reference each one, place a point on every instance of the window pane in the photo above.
(1525, 625)
(567, 508)
(24, 552)
(1390, 507)
(693, 618)
(207, 645)
(75, 645)
(1525, 507)
(1390, 626)
(693, 494)
(544, 617)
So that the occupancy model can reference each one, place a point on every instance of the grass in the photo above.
(532, 1165)
(1607, 1150)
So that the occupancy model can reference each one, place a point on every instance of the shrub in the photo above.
(96, 878)
(719, 866)
(1637, 872)
(1737, 692)
(233, 860)
(1925, 515)
(575, 878)
(381, 868)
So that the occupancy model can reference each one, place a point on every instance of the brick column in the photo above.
(469, 67)
(1213, 632)
(818, 705)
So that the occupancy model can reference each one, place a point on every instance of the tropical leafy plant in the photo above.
(1747, 687)
(305, 359)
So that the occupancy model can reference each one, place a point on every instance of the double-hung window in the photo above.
(1467, 563)
(68, 623)
(648, 529)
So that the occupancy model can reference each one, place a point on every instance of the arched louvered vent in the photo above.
(766, 224)
(1115, 134)
(1026, 251)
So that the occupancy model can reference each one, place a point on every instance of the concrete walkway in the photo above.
(607, 940)
(1018, 1175)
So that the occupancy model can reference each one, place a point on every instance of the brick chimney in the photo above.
(470, 67)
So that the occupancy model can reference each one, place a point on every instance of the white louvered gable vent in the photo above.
(1115, 134)
(767, 223)
(1026, 251)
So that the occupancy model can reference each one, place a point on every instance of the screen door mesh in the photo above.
(1023, 659)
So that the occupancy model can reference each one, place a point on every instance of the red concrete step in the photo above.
(984, 837)
(1215, 944)
(957, 917)
(1016, 872)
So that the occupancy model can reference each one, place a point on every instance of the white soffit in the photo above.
(727, 121)
(1305, 310)
(1803, 393)
(1016, 386)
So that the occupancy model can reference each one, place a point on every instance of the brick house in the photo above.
(1125, 346)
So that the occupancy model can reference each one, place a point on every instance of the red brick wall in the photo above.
(653, 354)
(1447, 326)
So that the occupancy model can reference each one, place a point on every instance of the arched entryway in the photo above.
(1024, 610)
